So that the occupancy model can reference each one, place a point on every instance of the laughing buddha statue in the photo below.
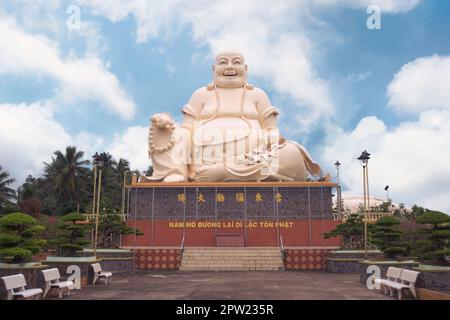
(229, 133)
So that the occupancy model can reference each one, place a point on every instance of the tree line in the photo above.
(67, 184)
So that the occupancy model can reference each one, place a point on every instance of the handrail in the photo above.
(281, 242)
(182, 245)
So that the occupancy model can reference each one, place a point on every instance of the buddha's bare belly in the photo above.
(225, 139)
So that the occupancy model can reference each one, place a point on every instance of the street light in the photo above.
(337, 164)
(338, 199)
(387, 193)
(98, 161)
(364, 161)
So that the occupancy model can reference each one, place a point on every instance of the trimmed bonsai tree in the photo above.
(72, 234)
(437, 230)
(386, 236)
(111, 226)
(351, 231)
(18, 237)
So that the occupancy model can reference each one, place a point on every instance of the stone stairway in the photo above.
(232, 259)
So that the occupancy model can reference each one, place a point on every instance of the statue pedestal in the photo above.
(259, 213)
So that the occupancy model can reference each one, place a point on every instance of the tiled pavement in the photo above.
(255, 285)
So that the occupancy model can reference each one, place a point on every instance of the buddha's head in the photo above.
(230, 70)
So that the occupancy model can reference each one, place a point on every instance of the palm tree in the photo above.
(68, 176)
(104, 159)
(6, 193)
(121, 166)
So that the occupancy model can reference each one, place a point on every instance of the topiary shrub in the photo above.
(110, 227)
(72, 234)
(351, 231)
(18, 237)
(437, 229)
(386, 236)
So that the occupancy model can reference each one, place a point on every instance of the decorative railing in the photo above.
(92, 216)
(369, 216)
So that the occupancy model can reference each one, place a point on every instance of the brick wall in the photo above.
(307, 208)
(301, 234)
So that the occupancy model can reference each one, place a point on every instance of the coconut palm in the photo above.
(68, 176)
(6, 193)
(121, 166)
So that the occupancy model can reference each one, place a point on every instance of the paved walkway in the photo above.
(258, 285)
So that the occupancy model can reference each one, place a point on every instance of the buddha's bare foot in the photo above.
(174, 177)
(215, 172)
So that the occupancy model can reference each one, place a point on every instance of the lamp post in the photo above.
(122, 211)
(98, 162)
(364, 161)
(338, 199)
(337, 164)
(387, 193)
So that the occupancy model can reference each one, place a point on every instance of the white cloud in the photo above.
(421, 84)
(78, 78)
(412, 157)
(274, 40)
(29, 135)
(132, 145)
(273, 50)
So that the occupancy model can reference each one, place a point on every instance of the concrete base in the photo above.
(347, 261)
(434, 277)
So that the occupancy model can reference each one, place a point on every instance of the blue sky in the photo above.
(319, 63)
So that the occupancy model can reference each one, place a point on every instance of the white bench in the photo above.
(18, 281)
(392, 276)
(408, 279)
(51, 277)
(99, 274)
(405, 280)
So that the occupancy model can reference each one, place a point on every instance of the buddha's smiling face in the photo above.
(230, 70)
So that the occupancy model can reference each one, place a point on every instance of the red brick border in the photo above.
(157, 259)
(311, 259)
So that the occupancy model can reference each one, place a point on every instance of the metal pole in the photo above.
(365, 237)
(122, 210)
(365, 213)
(153, 216)
(364, 187)
(367, 183)
(275, 193)
(245, 216)
(215, 214)
(309, 216)
(338, 195)
(368, 206)
(95, 188)
(98, 212)
(337, 175)
(339, 202)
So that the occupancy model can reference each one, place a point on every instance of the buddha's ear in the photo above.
(246, 67)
